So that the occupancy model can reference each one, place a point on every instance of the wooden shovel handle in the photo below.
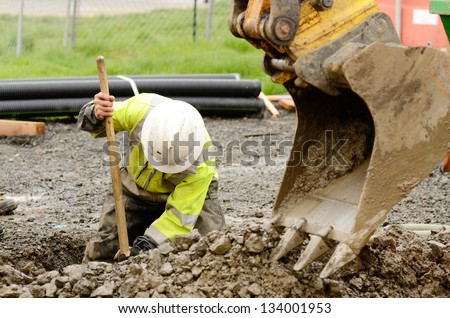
(124, 248)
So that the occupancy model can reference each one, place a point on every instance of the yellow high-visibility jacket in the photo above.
(184, 193)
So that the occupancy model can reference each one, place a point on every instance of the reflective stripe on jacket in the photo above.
(186, 191)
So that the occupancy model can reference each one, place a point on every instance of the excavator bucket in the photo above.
(373, 120)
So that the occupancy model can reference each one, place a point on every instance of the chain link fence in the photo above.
(67, 23)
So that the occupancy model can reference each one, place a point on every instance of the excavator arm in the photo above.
(373, 118)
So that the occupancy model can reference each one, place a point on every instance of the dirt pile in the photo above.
(235, 263)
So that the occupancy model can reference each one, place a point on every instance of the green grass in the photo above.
(153, 46)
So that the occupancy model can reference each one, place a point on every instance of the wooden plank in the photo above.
(21, 128)
(276, 98)
(287, 104)
(269, 105)
(284, 101)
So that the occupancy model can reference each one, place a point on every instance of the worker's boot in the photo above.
(7, 206)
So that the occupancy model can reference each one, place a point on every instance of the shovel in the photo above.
(124, 248)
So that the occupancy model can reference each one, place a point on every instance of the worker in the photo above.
(169, 183)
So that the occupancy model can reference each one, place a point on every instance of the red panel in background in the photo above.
(419, 27)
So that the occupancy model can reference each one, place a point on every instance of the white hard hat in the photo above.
(173, 136)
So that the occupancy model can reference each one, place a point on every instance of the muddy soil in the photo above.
(59, 180)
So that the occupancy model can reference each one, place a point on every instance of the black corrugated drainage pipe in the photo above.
(211, 106)
(211, 94)
(118, 87)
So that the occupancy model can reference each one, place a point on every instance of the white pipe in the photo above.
(132, 83)
(425, 227)
(398, 18)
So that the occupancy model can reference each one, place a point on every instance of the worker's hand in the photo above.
(143, 243)
(103, 105)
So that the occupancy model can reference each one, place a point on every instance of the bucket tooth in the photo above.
(349, 249)
(292, 238)
(317, 246)
(342, 255)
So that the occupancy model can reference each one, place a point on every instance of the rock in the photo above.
(357, 282)
(9, 275)
(156, 294)
(180, 259)
(239, 239)
(335, 288)
(29, 268)
(317, 284)
(60, 281)
(98, 266)
(25, 293)
(153, 258)
(234, 287)
(254, 243)
(105, 290)
(254, 289)
(129, 288)
(198, 249)
(83, 287)
(196, 271)
(166, 269)
(165, 248)
(221, 245)
(161, 288)
(192, 292)
(184, 279)
(37, 291)
(436, 248)
(151, 281)
(50, 290)
(135, 269)
(227, 294)
(143, 294)
(188, 239)
(12, 291)
(243, 293)
(46, 277)
(74, 272)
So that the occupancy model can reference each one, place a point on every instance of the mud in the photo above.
(59, 180)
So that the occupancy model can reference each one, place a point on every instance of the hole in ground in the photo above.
(51, 253)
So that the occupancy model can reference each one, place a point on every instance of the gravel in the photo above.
(59, 181)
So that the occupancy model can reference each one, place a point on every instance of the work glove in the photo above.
(142, 243)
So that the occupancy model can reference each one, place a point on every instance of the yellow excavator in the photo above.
(373, 118)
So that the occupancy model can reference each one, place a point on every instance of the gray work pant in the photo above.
(140, 214)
